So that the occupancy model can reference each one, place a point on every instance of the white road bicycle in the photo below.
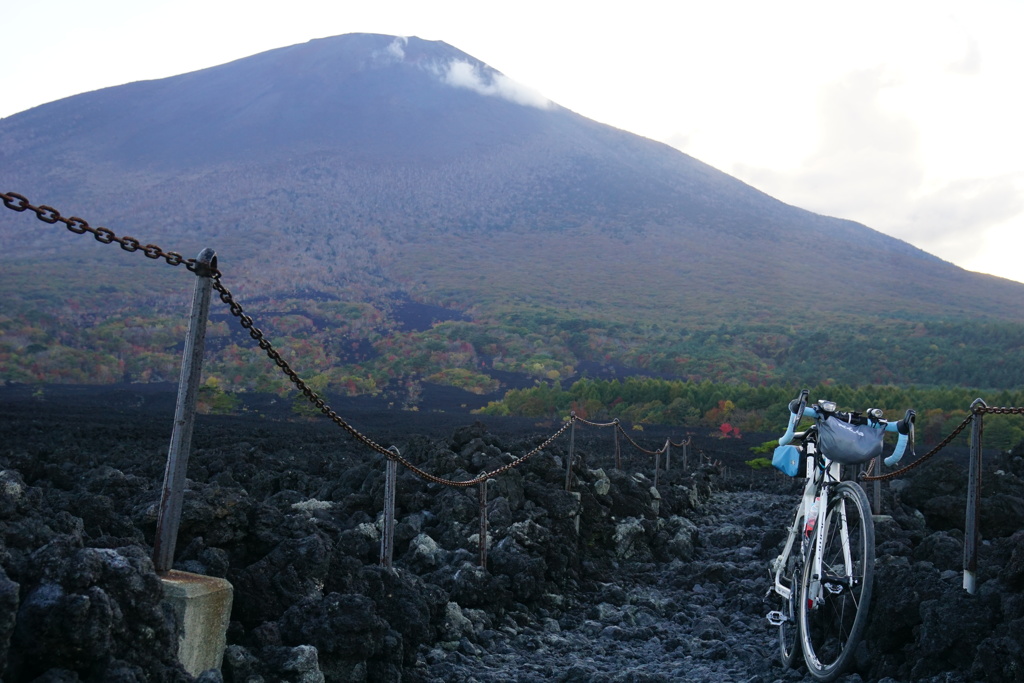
(822, 580)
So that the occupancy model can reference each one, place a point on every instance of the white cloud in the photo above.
(393, 53)
(397, 48)
(461, 74)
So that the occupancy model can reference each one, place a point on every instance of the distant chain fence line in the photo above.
(208, 269)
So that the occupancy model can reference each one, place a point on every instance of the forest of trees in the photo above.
(733, 408)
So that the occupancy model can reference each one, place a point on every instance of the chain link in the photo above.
(920, 461)
(975, 410)
(635, 444)
(999, 411)
(79, 226)
(594, 424)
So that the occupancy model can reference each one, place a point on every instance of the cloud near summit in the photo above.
(461, 74)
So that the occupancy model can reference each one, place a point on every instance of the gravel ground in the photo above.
(696, 620)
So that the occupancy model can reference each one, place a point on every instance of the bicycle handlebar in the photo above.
(798, 409)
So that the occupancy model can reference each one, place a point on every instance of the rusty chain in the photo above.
(976, 410)
(999, 410)
(50, 215)
(617, 425)
(635, 444)
(592, 424)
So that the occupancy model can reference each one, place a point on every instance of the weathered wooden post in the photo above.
(169, 512)
(618, 451)
(572, 451)
(657, 465)
(482, 495)
(971, 524)
(387, 536)
(686, 450)
(201, 604)
(668, 454)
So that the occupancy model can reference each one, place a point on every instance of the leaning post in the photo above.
(572, 449)
(971, 524)
(169, 512)
(482, 499)
(387, 536)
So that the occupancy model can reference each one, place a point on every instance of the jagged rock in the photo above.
(8, 610)
(609, 581)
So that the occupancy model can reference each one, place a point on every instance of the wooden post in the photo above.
(169, 512)
(387, 536)
(572, 451)
(971, 525)
(482, 494)
(618, 452)
(657, 465)
(668, 454)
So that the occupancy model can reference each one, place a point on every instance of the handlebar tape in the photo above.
(794, 420)
(897, 454)
(905, 428)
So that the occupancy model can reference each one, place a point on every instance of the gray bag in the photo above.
(850, 444)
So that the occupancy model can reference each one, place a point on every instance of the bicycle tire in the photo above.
(834, 611)
(789, 630)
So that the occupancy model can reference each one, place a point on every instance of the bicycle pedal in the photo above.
(776, 618)
(834, 588)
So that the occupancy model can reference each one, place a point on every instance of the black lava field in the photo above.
(615, 580)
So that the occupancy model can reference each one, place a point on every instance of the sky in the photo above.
(904, 115)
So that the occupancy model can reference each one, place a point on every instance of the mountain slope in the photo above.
(363, 165)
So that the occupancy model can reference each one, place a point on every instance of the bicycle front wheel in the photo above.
(834, 605)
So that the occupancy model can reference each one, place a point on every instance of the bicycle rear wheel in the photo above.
(834, 607)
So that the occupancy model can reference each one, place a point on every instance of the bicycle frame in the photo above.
(820, 480)
(814, 500)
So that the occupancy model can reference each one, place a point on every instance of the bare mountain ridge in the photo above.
(364, 164)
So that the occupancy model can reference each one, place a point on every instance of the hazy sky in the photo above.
(905, 115)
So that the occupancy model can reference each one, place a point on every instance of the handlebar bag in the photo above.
(847, 443)
(787, 459)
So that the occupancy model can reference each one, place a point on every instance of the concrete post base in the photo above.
(202, 609)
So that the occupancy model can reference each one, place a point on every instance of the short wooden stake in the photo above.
(618, 451)
(482, 495)
(387, 536)
(572, 452)
(971, 524)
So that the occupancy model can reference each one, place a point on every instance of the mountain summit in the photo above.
(361, 166)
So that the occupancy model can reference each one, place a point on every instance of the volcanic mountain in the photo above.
(363, 169)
